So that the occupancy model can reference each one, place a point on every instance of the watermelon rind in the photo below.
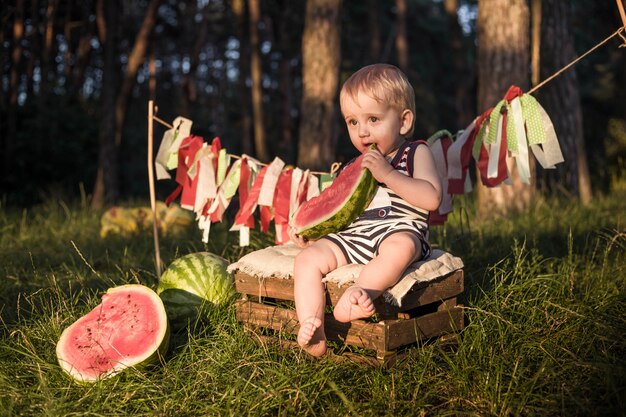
(148, 357)
(193, 283)
(356, 201)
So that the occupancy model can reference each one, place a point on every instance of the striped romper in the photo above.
(386, 214)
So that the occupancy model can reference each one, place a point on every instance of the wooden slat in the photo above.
(421, 294)
(264, 287)
(357, 333)
(271, 317)
(345, 356)
(434, 291)
(404, 332)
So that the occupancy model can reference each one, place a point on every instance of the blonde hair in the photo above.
(384, 83)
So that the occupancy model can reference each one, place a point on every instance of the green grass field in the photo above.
(545, 320)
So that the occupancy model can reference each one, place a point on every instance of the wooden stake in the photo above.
(155, 229)
(622, 14)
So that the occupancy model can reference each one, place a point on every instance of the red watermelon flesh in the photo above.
(338, 205)
(128, 328)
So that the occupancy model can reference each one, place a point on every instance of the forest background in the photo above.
(76, 77)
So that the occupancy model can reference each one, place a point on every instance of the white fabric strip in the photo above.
(244, 236)
(454, 152)
(551, 148)
(314, 187)
(206, 189)
(204, 224)
(521, 158)
(296, 177)
(167, 155)
(266, 196)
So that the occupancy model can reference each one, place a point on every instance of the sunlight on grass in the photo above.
(544, 297)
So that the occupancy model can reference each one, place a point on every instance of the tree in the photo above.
(320, 76)
(402, 43)
(256, 73)
(289, 24)
(14, 81)
(463, 77)
(189, 82)
(239, 11)
(106, 189)
(561, 99)
(373, 20)
(503, 60)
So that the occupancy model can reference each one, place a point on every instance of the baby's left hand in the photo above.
(377, 164)
(297, 239)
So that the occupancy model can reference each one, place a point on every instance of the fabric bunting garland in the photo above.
(513, 126)
(207, 181)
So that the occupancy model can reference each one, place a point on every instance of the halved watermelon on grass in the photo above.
(338, 205)
(128, 329)
(194, 282)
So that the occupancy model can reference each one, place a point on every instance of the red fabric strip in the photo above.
(457, 186)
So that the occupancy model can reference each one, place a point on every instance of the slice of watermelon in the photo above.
(127, 329)
(338, 205)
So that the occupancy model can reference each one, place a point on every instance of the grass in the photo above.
(545, 301)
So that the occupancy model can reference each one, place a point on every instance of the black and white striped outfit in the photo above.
(387, 214)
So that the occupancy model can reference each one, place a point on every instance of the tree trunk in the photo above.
(373, 18)
(463, 76)
(286, 148)
(106, 188)
(561, 100)
(3, 96)
(402, 44)
(536, 41)
(321, 50)
(14, 85)
(135, 60)
(503, 60)
(84, 49)
(190, 90)
(48, 53)
(256, 73)
(67, 33)
(33, 39)
(239, 11)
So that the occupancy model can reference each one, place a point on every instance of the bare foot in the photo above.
(311, 337)
(354, 304)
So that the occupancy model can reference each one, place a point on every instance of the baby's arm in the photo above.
(422, 190)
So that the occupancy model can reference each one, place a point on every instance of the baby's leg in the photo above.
(395, 254)
(310, 266)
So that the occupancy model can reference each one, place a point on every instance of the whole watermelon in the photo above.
(194, 282)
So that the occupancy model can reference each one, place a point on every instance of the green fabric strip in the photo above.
(511, 135)
(493, 122)
(535, 131)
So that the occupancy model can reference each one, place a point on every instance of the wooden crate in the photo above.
(429, 311)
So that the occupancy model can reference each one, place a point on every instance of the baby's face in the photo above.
(371, 121)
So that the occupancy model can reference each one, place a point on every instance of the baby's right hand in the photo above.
(300, 241)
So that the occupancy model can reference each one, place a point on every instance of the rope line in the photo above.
(618, 32)
(333, 169)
